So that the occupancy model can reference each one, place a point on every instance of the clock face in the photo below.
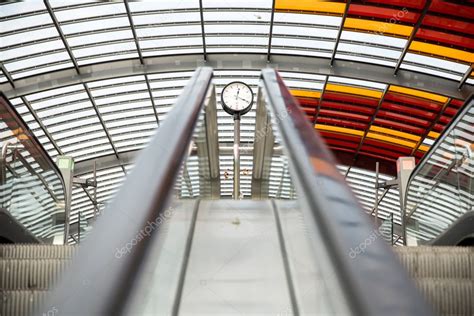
(237, 98)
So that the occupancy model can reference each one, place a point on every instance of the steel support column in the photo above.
(412, 35)
(61, 35)
(338, 38)
(302, 64)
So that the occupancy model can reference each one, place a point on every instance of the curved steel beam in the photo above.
(176, 63)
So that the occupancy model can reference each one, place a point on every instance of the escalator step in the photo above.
(439, 263)
(26, 274)
(23, 302)
(436, 249)
(449, 296)
(27, 251)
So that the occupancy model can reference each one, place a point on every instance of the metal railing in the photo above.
(371, 280)
(98, 283)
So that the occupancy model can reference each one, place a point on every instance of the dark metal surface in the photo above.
(373, 282)
(134, 32)
(12, 231)
(460, 230)
(164, 64)
(338, 38)
(270, 33)
(103, 279)
(61, 35)
(201, 14)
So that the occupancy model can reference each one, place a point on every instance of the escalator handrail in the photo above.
(101, 277)
(372, 282)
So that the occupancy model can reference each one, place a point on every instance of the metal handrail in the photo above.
(98, 282)
(372, 281)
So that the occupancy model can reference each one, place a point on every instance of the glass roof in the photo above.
(43, 37)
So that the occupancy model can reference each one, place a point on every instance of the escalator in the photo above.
(170, 244)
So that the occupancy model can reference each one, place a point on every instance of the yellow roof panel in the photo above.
(377, 26)
(310, 5)
(306, 94)
(353, 90)
(393, 132)
(337, 129)
(393, 140)
(419, 93)
(442, 51)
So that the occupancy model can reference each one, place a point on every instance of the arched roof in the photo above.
(379, 79)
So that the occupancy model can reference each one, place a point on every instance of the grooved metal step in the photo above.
(449, 296)
(27, 251)
(23, 302)
(26, 274)
(445, 276)
(438, 262)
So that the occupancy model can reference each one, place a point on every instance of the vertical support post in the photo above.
(405, 166)
(376, 191)
(391, 229)
(236, 157)
(79, 227)
(95, 189)
(66, 166)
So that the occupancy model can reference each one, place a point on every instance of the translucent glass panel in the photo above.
(30, 43)
(301, 81)
(126, 108)
(434, 66)
(244, 28)
(92, 41)
(162, 26)
(70, 118)
(31, 189)
(441, 189)
(366, 47)
(304, 34)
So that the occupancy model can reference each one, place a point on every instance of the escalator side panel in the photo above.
(156, 291)
(311, 286)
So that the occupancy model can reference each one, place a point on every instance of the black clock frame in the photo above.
(236, 114)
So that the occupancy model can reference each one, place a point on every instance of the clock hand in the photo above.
(243, 99)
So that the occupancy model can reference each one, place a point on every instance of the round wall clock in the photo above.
(237, 98)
